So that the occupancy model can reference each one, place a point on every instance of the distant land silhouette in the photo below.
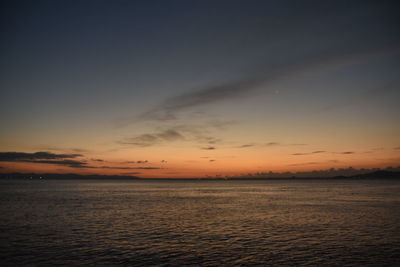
(327, 173)
(63, 176)
(379, 174)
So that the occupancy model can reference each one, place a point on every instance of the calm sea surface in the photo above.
(200, 223)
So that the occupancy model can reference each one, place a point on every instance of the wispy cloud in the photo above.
(323, 151)
(346, 153)
(309, 153)
(148, 168)
(314, 162)
(246, 145)
(272, 144)
(15, 156)
(200, 133)
(125, 168)
(63, 160)
(251, 81)
(269, 144)
(168, 113)
(203, 132)
(208, 95)
(63, 149)
(137, 162)
(69, 163)
(43, 158)
(145, 140)
(209, 148)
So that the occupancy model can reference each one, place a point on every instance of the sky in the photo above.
(198, 88)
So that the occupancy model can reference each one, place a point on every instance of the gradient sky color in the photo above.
(198, 88)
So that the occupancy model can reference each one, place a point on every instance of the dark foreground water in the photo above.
(200, 223)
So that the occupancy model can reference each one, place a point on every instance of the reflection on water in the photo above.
(206, 223)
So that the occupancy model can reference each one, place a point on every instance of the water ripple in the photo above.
(200, 223)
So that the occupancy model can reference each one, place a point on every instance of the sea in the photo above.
(292, 222)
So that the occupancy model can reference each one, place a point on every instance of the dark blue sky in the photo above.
(71, 68)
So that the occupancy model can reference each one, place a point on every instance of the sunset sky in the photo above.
(198, 88)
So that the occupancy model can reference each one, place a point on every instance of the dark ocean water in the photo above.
(200, 223)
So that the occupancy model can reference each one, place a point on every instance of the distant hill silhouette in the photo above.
(337, 173)
(378, 175)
